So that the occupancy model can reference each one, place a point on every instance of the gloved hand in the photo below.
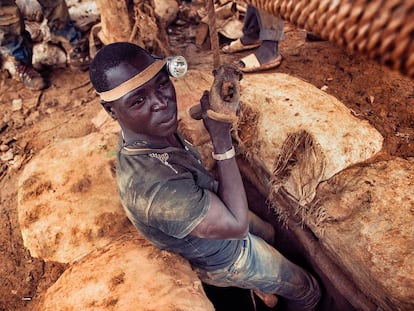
(217, 129)
(224, 99)
(225, 94)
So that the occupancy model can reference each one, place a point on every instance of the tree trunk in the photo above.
(115, 21)
(134, 21)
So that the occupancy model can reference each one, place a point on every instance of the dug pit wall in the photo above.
(299, 244)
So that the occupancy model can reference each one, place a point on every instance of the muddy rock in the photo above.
(128, 272)
(67, 199)
(369, 229)
(300, 134)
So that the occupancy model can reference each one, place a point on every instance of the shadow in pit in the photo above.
(231, 298)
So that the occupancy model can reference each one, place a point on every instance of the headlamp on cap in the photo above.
(176, 66)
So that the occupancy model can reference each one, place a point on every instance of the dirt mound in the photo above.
(128, 272)
(29, 121)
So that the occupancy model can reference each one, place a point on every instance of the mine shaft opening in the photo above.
(231, 298)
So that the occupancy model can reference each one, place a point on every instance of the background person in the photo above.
(16, 43)
(263, 31)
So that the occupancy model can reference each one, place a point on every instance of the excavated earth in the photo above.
(29, 121)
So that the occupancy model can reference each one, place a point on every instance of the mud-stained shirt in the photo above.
(166, 194)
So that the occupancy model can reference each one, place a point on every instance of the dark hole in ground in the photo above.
(232, 298)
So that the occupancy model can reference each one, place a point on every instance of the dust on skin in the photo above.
(374, 93)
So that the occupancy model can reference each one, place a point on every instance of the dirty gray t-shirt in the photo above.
(166, 194)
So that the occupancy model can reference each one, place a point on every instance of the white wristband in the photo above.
(224, 156)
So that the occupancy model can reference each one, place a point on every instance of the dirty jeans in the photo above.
(261, 25)
(262, 268)
(15, 40)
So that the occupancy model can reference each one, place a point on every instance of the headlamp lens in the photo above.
(177, 66)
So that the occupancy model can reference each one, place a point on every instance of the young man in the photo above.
(263, 31)
(172, 199)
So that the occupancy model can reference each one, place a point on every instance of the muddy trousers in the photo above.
(262, 268)
(15, 41)
(261, 25)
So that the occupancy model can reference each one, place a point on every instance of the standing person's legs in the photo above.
(263, 269)
(63, 28)
(251, 26)
(16, 45)
(267, 56)
(271, 27)
(14, 39)
(251, 32)
(58, 19)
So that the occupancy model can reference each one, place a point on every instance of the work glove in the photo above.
(223, 102)
(216, 128)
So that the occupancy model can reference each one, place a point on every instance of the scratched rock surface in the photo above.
(129, 274)
(67, 199)
(301, 134)
(369, 229)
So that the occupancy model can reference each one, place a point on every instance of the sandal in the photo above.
(250, 63)
(238, 46)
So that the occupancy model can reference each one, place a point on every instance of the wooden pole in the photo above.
(115, 21)
(213, 33)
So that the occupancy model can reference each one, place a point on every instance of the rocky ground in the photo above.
(31, 120)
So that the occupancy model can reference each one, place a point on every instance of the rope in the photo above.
(382, 30)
